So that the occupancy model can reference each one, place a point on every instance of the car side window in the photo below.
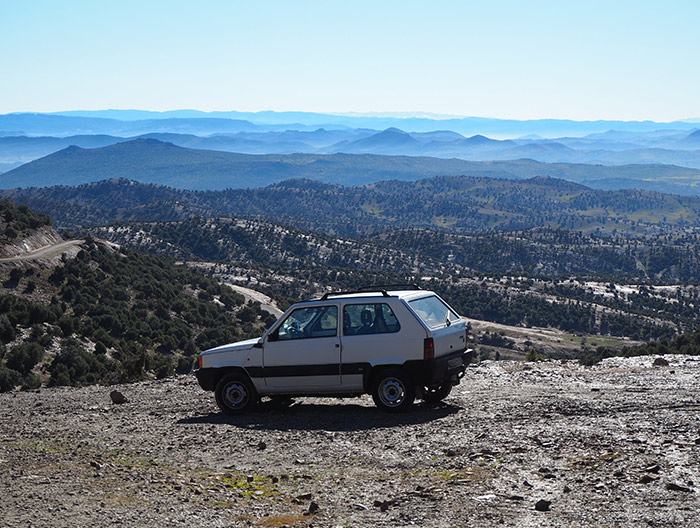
(302, 323)
(370, 318)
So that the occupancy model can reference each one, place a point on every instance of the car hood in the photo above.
(233, 347)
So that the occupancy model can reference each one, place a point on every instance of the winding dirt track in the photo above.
(45, 252)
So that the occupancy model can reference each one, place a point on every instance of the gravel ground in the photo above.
(613, 445)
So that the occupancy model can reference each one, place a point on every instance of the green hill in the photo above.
(456, 204)
(289, 264)
(110, 316)
(17, 222)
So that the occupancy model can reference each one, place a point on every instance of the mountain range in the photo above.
(335, 148)
(152, 161)
(417, 122)
(26, 137)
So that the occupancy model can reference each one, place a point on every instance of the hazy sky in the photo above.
(610, 59)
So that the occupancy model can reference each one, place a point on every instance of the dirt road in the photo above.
(45, 252)
(616, 445)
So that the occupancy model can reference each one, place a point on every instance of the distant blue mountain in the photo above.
(148, 160)
(389, 141)
(463, 125)
(610, 143)
(692, 140)
(62, 125)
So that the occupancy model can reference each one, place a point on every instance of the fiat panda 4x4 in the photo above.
(395, 344)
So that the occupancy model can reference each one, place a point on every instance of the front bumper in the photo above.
(208, 377)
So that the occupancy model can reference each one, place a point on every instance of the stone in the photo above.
(117, 397)
(677, 487)
(543, 505)
(660, 362)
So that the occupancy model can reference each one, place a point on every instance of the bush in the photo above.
(9, 378)
(534, 355)
(184, 365)
(76, 366)
(31, 382)
(161, 366)
(23, 358)
(7, 331)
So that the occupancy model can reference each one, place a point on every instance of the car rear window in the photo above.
(433, 311)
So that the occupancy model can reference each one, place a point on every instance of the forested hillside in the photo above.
(17, 221)
(289, 264)
(543, 252)
(622, 264)
(112, 315)
(459, 204)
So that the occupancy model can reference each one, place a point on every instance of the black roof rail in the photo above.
(380, 287)
(371, 289)
(350, 292)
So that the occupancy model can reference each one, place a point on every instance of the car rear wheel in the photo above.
(436, 394)
(393, 391)
(235, 394)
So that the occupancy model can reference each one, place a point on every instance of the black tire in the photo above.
(437, 394)
(235, 394)
(393, 390)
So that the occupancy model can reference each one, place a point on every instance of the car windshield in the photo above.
(433, 311)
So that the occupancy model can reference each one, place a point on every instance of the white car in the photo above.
(395, 344)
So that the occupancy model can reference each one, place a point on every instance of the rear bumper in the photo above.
(439, 370)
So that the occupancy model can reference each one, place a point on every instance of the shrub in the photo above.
(76, 366)
(534, 355)
(9, 378)
(184, 365)
(31, 382)
(23, 358)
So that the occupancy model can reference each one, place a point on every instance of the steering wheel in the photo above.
(294, 331)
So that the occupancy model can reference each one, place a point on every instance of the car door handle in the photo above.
(337, 345)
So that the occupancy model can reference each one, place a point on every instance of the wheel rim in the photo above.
(235, 395)
(392, 392)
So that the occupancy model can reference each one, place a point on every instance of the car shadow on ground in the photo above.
(272, 416)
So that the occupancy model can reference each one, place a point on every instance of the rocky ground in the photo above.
(517, 444)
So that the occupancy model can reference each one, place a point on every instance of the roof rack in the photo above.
(371, 289)
(380, 287)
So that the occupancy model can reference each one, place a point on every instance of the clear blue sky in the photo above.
(591, 59)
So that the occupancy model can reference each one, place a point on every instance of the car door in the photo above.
(303, 353)
(372, 332)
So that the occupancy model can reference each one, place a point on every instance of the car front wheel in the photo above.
(393, 391)
(235, 394)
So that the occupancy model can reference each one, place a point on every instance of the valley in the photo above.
(541, 265)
